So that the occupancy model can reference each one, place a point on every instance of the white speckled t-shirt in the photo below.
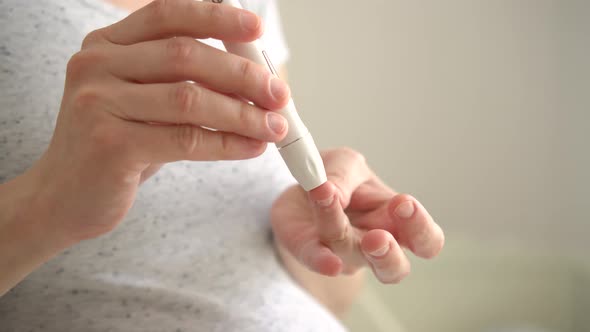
(195, 251)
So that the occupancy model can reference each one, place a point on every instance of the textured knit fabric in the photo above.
(195, 251)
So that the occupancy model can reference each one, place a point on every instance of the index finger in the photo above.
(332, 223)
(170, 18)
(333, 227)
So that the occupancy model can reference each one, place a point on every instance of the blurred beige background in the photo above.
(481, 110)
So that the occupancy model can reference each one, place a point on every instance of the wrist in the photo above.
(26, 221)
(27, 239)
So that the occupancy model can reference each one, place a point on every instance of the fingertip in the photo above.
(385, 256)
(280, 93)
(324, 194)
(403, 206)
(252, 24)
(397, 279)
(376, 242)
(259, 31)
(434, 247)
(278, 125)
(322, 190)
(416, 228)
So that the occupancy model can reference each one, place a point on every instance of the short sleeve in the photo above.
(273, 40)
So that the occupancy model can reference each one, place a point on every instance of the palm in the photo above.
(295, 216)
(353, 220)
(363, 210)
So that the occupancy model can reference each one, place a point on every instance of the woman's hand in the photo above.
(129, 106)
(352, 221)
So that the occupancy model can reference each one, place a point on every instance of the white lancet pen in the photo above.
(298, 148)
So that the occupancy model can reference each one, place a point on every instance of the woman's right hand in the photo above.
(129, 106)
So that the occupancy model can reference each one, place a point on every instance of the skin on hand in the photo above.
(352, 221)
(129, 105)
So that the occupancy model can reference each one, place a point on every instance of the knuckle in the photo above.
(245, 68)
(338, 235)
(81, 62)
(226, 145)
(179, 49)
(162, 12)
(186, 97)
(93, 38)
(87, 98)
(189, 139)
(160, 9)
(353, 155)
(250, 76)
(214, 12)
(245, 117)
(433, 245)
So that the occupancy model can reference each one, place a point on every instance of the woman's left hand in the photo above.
(354, 220)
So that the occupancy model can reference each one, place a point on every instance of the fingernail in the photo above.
(326, 202)
(278, 89)
(380, 252)
(276, 122)
(405, 210)
(249, 21)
